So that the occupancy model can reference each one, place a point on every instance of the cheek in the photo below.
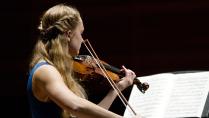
(74, 46)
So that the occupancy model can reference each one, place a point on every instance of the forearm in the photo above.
(87, 109)
(108, 100)
(77, 106)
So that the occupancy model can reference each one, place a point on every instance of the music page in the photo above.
(188, 95)
(153, 102)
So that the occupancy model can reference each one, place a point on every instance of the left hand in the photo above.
(127, 80)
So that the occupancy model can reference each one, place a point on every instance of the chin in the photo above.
(74, 53)
(77, 53)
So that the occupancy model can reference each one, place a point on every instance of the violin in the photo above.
(86, 66)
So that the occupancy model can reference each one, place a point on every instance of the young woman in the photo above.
(52, 90)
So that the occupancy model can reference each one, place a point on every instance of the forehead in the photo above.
(80, 26)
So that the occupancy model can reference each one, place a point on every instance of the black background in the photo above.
(147, 36)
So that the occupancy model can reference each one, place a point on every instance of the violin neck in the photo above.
(114, 70)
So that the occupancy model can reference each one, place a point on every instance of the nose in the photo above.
(82, 40)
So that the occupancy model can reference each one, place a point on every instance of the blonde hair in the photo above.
(52, 45)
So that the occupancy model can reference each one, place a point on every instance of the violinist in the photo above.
(52, 90)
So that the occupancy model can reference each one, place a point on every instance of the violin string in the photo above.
(104, 71)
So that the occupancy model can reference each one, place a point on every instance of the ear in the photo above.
(69, 33)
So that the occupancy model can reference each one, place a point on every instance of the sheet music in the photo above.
(152, 103)
(171, 95)
(189, 95)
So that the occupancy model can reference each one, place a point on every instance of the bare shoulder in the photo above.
(46, 81)
(46, 73)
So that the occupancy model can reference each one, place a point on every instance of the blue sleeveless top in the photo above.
(41, 109)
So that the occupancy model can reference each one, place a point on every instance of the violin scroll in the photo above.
(141, 86)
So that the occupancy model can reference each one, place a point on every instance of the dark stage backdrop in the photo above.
(147, 36)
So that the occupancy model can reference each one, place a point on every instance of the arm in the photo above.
(124, 83)
(53, 86)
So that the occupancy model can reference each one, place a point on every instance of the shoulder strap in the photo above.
(29, 85)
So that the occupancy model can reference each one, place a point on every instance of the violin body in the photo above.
(91, 78)
(85, 65)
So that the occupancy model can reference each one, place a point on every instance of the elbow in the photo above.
(76, 107)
